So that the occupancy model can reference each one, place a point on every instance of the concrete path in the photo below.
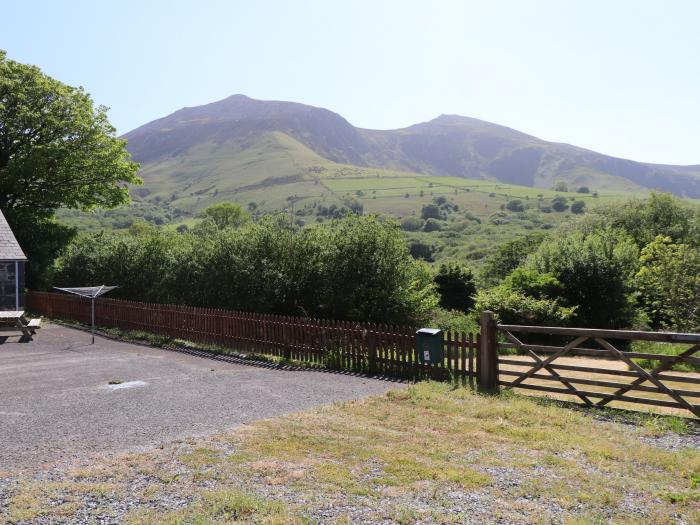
(56, 403)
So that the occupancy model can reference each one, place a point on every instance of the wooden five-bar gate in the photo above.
(592, 376)
(588, 365)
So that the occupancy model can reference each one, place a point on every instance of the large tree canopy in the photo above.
(56, 148)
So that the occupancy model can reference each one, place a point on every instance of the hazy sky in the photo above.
(619, 77)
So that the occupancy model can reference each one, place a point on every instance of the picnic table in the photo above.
(13, 320)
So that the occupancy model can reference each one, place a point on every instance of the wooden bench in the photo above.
(34, 323)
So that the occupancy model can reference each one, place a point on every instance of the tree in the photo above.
(515, 205)
(583, 189)
(509, 256)
(411, 224)
(560, 185)
(431, 211)
(578, 207)
(559, 204)
(56, 150)
(596, 272)
(456, 287)
(660, 214)
(669, 285)
(432, 225)
(225, 215)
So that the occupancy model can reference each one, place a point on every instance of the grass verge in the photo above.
(428, 453)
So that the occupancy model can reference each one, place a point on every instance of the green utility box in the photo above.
(429, 343)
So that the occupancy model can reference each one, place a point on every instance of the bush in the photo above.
(432, 211)
(596, 273)
(421, 250)
(512, 307)
(357, 268)
(669, 285)
(411, 224)
(515, 205)
(578, 207)
(432, 225)
(509, 256)
(456, 287)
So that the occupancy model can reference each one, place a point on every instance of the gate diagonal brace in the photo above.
(538, 361)
(647, 376)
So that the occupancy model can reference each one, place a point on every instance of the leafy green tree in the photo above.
(509, 256)
(578, 207)
(515, 205)
(56, 150)
(432, 211)
(411, 224)
(559, 204)
(456, 287)
(669, 284)
(560, 185)
(659, 214)
(225, 215)
(432, 225)
(583, 189)
(596, 273)
(356, 268)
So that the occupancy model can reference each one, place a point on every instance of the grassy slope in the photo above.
(270, 168)
(428, 454)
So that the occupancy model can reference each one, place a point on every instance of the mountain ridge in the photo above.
(448, 145)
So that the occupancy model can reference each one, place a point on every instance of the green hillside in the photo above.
(230, 137)
(277, 173)
(314, 165)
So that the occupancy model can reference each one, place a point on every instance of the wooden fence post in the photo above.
(487, 355)
(371, 342)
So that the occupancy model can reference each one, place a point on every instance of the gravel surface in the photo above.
(58, 404)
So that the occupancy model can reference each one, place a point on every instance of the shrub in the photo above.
(596, 272)
(432, 225)
(578, 207)
(456, 287)
(669, 285)
(515, 205)
(432, 211)
(411, 224)
(357, 268)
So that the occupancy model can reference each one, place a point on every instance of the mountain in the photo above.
(237, 144)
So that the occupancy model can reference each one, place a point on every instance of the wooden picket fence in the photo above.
(376, 349)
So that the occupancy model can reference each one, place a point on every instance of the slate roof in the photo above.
(9, 247)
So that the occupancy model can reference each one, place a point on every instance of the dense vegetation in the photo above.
(627, 265)
(631, 265)
(357, 268)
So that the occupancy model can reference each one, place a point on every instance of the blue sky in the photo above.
(620, 77)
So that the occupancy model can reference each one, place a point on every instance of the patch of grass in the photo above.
(652, 347)
(430, 452)
(115, 382)
(220, 507)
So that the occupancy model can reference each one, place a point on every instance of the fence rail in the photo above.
(376, 349)
(592, 367)
(541, 367)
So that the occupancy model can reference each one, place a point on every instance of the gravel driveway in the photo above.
(56, 403)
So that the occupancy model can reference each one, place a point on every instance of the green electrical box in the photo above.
(429, 343)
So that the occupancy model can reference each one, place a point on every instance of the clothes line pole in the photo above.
(92, 293)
